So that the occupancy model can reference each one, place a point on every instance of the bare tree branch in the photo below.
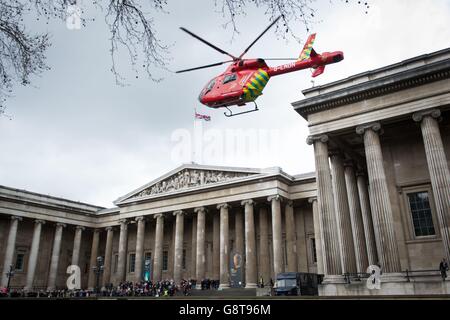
(131, 28)
(21, 53)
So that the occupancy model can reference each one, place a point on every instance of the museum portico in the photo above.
(188, 222)
(380, 196)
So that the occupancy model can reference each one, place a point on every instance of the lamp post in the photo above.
(98, 269)
(9, 274)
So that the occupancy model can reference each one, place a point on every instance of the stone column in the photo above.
(216, 247)
(10, 248)
(276, 234)
(201, 258)
(328, 225)
(123, 242)
(291, 247)
(318, 236)
(139, 260)
(439, 171)
(250, 246)
(239, 236)
(194, 248)
(367, 218)
(224, 246)
(108, 257)
(359, 239)
(347, 249)
(93, 259)
(380, 203)
(159, 238)
(239, 231)
(77, 245)
(54, 262)
(264, 255)
(178, 252)
(32, 260)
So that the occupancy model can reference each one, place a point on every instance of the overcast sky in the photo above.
(78, 135)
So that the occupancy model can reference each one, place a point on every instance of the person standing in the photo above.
(443, 267)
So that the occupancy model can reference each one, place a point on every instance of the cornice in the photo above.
(374, 88)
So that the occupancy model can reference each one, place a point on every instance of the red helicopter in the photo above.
(244, 79)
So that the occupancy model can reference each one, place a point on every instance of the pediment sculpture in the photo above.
(189, 178)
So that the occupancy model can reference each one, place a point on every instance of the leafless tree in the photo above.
(131, 26)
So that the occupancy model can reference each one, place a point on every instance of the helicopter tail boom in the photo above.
(317, 62)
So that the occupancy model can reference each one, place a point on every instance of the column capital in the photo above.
(275, 197)
(178, 212)
(16, 218)
(374, 126)
(123, 222)
(39, 221)
(223, 205)
(158, 215)
(289, 203)
(60, 224)
(110, 228)
(322, 138)
(434, 113)
(198, 209)
(312, 199)
(80, 228)
(140, 218)
(248, 201)
(96, 230)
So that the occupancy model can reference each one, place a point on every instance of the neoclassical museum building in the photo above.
(380, 196)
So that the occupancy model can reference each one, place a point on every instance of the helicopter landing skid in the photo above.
(231, 114)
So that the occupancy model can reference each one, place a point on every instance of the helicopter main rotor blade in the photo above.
(208, 43)
(267, 29)
(203, 67)
(279, 59)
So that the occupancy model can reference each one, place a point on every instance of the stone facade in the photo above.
(380, 195)
(176, 228)
(391, 128)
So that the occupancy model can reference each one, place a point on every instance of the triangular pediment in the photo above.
(189, 177)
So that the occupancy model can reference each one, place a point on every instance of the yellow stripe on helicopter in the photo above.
(254, 87)
(307, 49)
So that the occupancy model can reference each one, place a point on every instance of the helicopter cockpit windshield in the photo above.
(207, 89)
(210, 86)
(229, 78)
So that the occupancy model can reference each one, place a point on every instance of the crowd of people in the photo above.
(148, 288)
(164, 288)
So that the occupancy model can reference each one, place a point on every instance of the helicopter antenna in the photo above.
(209, 43)
(251, 45)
